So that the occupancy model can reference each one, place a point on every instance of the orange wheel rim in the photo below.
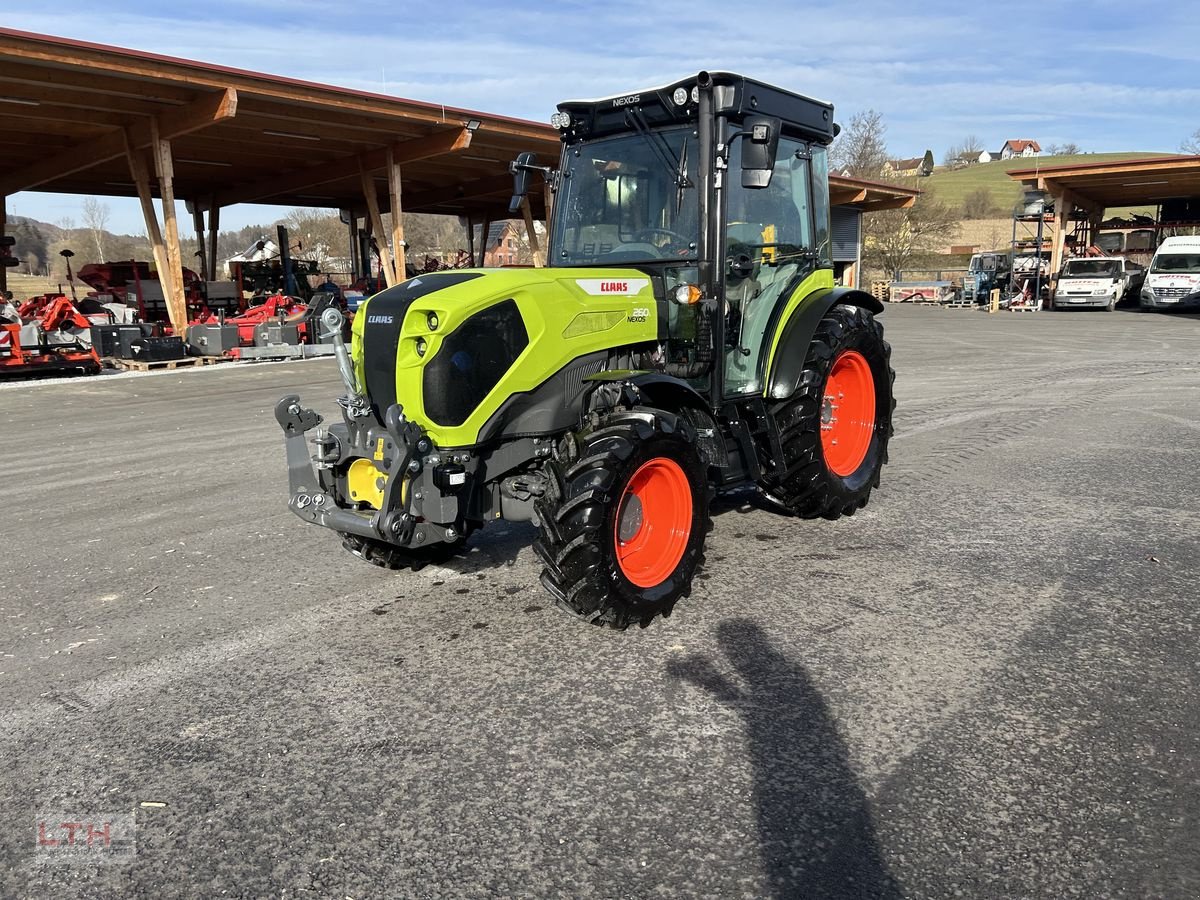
(848, 413)
(653, 522)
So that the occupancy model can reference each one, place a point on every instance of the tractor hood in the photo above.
(451, 347)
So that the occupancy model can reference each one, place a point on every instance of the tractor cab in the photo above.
(717, 187)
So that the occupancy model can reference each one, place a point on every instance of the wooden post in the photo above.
(538, 262)
(214, 229)
(399, 246)
(355, 263)
(164, 166)
(484, 228)
(3, 231)
(372, 198)
(141, 179)
(198, 224)
(1095, 217)
(470, 239)
(1062, 216)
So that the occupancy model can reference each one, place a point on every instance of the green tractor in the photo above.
(685, 338)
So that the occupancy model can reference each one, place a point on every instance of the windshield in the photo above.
(631, 198)
(1181, 263)
(1091, 268)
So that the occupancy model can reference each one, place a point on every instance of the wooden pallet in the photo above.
(1024, 309)
(137, 365)
(881, 290)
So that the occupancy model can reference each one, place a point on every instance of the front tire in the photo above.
(835, 429)
(622, 529)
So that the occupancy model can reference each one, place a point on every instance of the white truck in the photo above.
(1097, 282)
(1173, 281)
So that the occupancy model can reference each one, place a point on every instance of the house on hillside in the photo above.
(1021, 147)
(918, 166)
(972, 158)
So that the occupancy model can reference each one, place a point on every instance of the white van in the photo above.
(1173, 280)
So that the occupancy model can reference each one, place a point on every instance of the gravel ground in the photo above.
(983, 684)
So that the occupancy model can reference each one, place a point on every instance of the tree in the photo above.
(861, 149)
(321, 235)
(95, 219)
(979, 205)
(970, 144)
(1070, 148)
(895, 238)
(1191, 144)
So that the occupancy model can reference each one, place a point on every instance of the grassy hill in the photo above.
(952, 187)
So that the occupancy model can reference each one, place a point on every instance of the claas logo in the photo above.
(6, 244)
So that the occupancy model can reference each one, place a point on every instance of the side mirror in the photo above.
(522, 169)
(760, 143)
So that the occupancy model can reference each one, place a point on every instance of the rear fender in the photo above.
(796, 335)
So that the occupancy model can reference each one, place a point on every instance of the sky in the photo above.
(1105, 75)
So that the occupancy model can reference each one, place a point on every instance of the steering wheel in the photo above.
(677, 239)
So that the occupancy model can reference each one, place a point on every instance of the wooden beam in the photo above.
(395, 192)
(90, 81)
(527, 213)
(470, 190)
(484, 227)
(1056, 188)
(3, 269)
(372, 198)
(839, 197)
(1063, 203)
(141, 179)
(176, 301)
(408, 151)
(204, 112)
(895, 203)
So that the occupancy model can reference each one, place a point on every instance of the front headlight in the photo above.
(1100, 292)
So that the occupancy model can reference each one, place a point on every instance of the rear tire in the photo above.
(835, 446)
(623, 526)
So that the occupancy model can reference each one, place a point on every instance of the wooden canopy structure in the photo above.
(89, 119)
(1097, 187)
(867, 195)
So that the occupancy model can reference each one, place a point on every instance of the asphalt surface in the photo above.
(983, 685)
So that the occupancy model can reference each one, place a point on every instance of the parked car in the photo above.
(1173, 281)
(1097, 282)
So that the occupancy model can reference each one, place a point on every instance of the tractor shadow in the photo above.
(743, 501)
(816, 836)
(495, 546)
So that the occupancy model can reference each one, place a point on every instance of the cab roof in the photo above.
(734, 96)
